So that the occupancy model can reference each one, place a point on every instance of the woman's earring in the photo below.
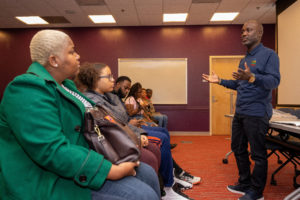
(56, 65)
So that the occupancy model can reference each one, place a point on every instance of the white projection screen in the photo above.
(167, 77)
(289, 55)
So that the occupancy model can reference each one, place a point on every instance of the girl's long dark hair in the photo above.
(134, 89)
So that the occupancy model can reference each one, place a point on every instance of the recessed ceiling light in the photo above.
(228, 16)
(102, 19)
(175, 17)
(32, 20)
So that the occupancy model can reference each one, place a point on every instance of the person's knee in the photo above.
(162, 136)
(149, 158)
(146, 170)
(148, 176)
(155, 149)
(165, 138)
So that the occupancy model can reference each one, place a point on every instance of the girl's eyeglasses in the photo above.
(110, 77)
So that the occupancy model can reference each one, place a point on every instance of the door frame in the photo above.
(210, 85)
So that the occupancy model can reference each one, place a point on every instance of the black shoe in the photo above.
(162, 193)
(177, 189)
(173, 146)
(252, 195)
(238, 188)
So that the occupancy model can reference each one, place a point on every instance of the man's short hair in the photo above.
(123, 78)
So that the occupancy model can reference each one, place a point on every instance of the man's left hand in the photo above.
(242, 74)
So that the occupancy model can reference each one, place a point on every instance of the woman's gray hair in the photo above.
(45, 43)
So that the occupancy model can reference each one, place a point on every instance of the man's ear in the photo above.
(53, 61)
(260, 33)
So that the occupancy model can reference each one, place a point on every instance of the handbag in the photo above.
(109, 137)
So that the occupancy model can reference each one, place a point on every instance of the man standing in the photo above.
(257, 76)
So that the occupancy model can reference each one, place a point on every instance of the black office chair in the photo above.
(289, 149)
(273, 147)
(287, 110)
(297, 113)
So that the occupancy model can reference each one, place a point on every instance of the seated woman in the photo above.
(146, 98)
(132, 104)
(135, 106)
(88, 82)
(135, 110)
(43, 151)
(146, 103)
(100, 83)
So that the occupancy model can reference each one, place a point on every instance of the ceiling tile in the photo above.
(176, 6)
(96, 10)
(269, 17)
(203, 8)
(151, 19)
(124, 20)
(262, 1)
(90, 2)
(8, 3)
(254, 10)
(201, 13)
(232, 5)
(5, 13)
(18, 10)
(149, 9)
(134, 12)
(119, 2)
(39, 8)
(126, 9)
(148, 2)
(124, 14)
(62, 6)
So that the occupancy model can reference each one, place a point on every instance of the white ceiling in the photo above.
(134, 12)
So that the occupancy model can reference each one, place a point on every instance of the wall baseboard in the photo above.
(189, 133)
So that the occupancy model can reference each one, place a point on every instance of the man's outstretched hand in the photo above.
(213, 78)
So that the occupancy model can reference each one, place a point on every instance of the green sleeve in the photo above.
(31, 108)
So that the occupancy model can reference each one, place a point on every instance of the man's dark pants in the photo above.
(253, 130)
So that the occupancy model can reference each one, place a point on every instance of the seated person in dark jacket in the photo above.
(99, 82)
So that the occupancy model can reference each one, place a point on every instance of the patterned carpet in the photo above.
(202, 156)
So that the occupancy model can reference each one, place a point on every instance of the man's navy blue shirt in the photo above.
(254, 99)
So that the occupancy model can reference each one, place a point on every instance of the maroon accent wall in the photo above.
(106, 45)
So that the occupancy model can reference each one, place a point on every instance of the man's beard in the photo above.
(120, 93)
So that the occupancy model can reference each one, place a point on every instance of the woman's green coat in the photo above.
(43, 154)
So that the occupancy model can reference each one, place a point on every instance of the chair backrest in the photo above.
(297, 113)
(288, 110)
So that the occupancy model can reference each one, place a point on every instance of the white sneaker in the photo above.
(186, 185)
(189, 178)
(172, 195)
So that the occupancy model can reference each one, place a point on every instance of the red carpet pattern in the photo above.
(202, 156)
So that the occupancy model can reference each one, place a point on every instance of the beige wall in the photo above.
(289, 55)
